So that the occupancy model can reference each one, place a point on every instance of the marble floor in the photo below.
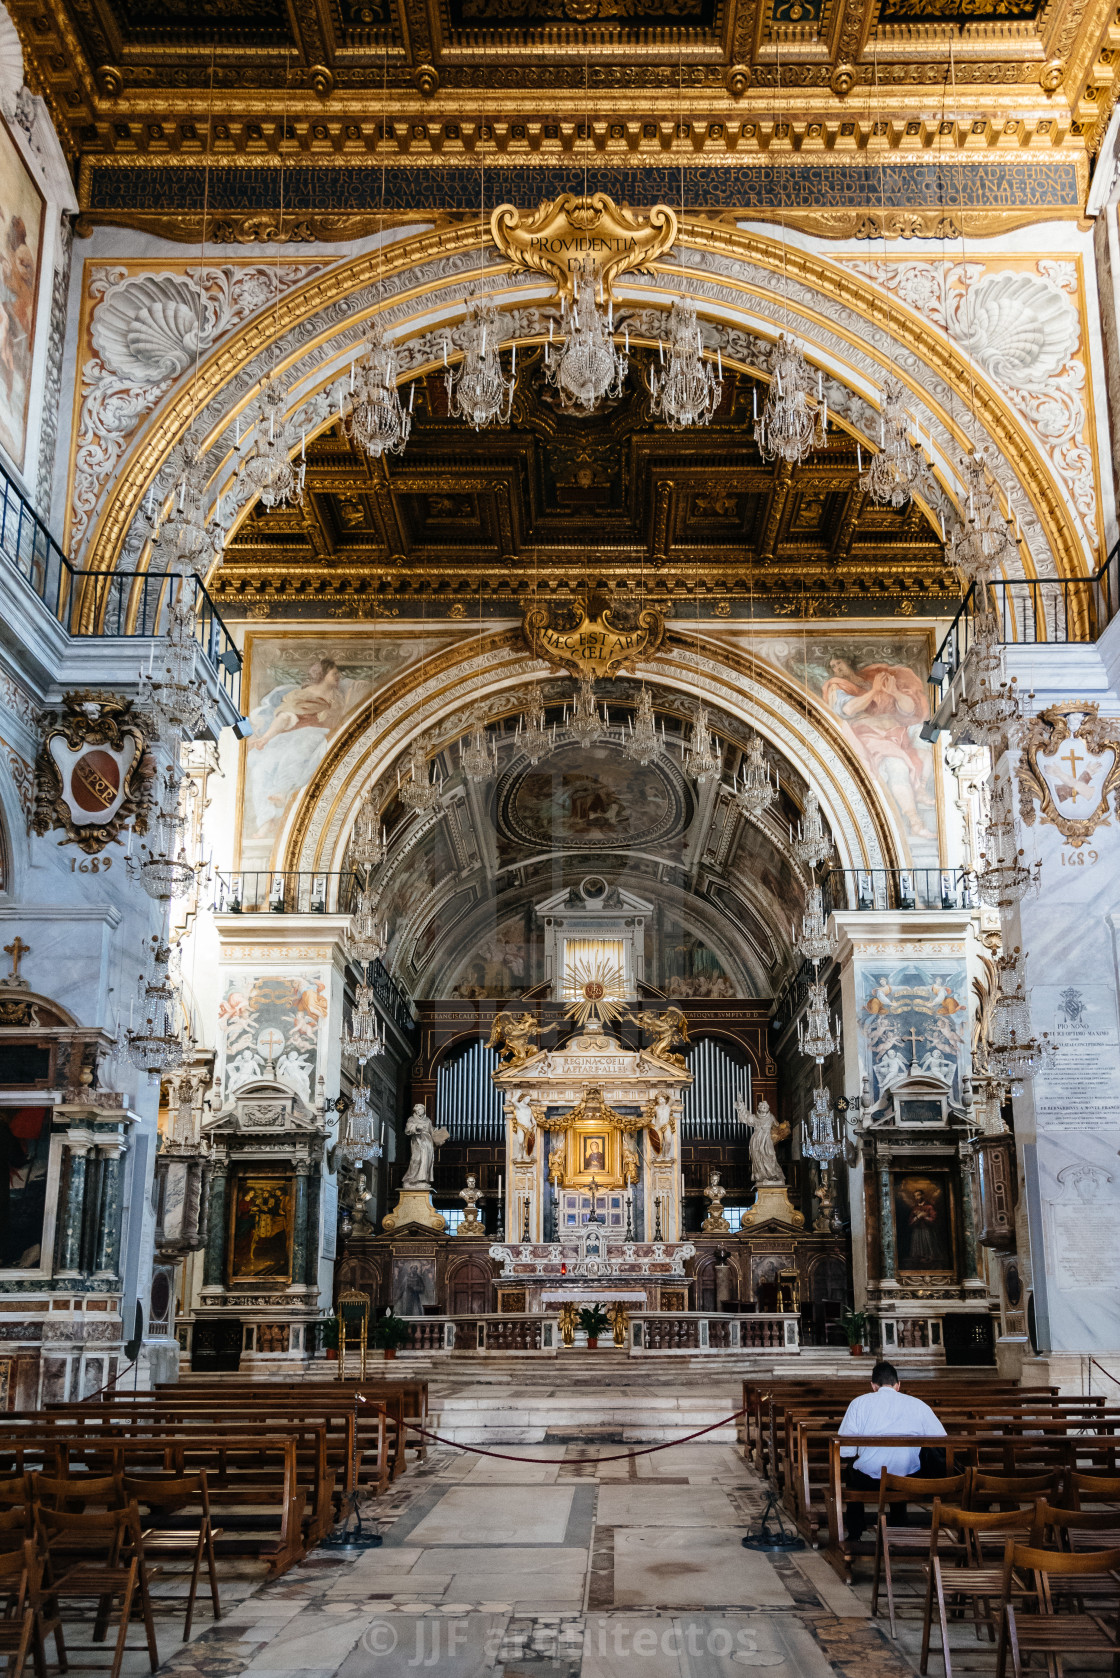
(541, 1568)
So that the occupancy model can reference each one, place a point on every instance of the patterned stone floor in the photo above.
(539, 1569)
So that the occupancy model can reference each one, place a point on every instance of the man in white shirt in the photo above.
(883, 1412)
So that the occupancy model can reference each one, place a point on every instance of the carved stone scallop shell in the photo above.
(11, 65)
(147, 328)
(1021, 328)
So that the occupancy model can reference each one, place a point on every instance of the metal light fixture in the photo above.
(815, 942)
(820, 1133)
(688, 390)
(367, 841)
(266, 467)
(896, 471)
(162, 1041)
(643, 743)
(417, 791)
(478, 391)
(814, 1029)
(357, 1141)
(364, 1037)
(369, 936)
(585, 723)
(1003, 877)
(161, 866)
(184, 541)
(588, 366)
(983, 544)
(703, 760)
(532, 736)
(172, 690)
(812, 845)
(753, 790)
(790, 425)
(478, 759)
(373, 414)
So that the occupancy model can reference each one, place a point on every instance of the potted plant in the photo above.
(390, 1333)
(328, 1337)
(593, 1321)
(854, 1324)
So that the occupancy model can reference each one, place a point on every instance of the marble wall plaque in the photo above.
(1085, 1241)
(1081, 1091)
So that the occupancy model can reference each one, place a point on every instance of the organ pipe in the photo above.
(718, 1079)
(468, 1103)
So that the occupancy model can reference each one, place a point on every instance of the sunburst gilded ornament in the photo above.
(1070, 768)
(561, 237)
(592, 647)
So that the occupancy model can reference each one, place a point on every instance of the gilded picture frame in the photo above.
(261, 1227)
(593, 1150)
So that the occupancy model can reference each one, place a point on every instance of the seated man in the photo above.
(879, 1414)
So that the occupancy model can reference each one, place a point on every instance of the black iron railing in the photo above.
(392, 996)
(108, 603)
(1045, 609)
(286, 892)
(899, 888)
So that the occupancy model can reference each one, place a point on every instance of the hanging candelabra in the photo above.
(753, 790)
(478, 391)
(478, 759)
(171, 689)
(812, 844)
(1014, 1057)
(369, 936)
(357, 1139)
(162, 1041)
(184, 541)
(588, 366)
(161, 865)
(814, 943)
(584, 722)
(367, 841)
(533, 736)
(1004, 878)
(790, 425)
(985, 704)
(687, 390)
(896, 471)
(820, 1132)
(364, 1037)
(417, 791)
(815, 1027)
(266, 467)
(643, 743)
(983, 544)
(373, 415)
(1011, 1013)
(703, 759)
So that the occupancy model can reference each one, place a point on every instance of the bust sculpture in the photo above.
(471, 1223)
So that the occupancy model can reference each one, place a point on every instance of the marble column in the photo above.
(310, 1271)
(79, 1145)
(106, 1254)
(214, 1275)
(299, 1223)
(968, 1222)
(886, 1229)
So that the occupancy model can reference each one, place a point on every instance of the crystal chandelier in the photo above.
(1011, 1014)
(589, 365)
(162, 1041)
(687, 391)
(812, 845)
(369, 937)
(479, 757)
(789, 425)
(363, 1038)
(1003, 878)
(820, 1138)
(643, 743)
(266, 466)
(417, 792)
(357, 1141)
(533, 737)
(896, 470)
(184, 541)
(367, 841)
(176, 697)
(478, 392)
(753, 790)
(373, 415)
(987, 705)
(703, 759)
(982, 545)
(815, 942)
(814, 1028)
(162, 866)
(1014, 1059)
(585, 722)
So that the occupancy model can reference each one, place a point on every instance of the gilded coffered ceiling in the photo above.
(952, 102)
(614, 500)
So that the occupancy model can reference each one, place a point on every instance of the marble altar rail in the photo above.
(647, 1333)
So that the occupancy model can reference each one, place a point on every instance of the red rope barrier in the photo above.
(620, 1456)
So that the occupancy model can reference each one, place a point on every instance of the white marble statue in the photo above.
(762, 1126)
(519, 1112)
(425, 1139)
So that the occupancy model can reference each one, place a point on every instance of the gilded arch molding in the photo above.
(749, 287)
(430, 697)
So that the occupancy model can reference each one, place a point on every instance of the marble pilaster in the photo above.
(214, 1275)
(886, 1229)
(79, 1144)
(106, 1255)
(299, 1224)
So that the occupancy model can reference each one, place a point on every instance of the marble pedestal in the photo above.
(414, 1206)
(772, 1204)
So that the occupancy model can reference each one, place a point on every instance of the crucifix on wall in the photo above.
(17, 949)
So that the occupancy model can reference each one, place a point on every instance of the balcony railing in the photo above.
(899, 888)
(286, 892)
(106, 604)
(1045, 609)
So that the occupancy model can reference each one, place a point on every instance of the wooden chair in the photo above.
(17, 1621)
(1095, 1488)
(1011, 1491)
(1057, 1635)
(897, 1541)
(1076, 1531)
(965, 1579)
(191, 1536)
(76, 1492)
(100, 1554)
